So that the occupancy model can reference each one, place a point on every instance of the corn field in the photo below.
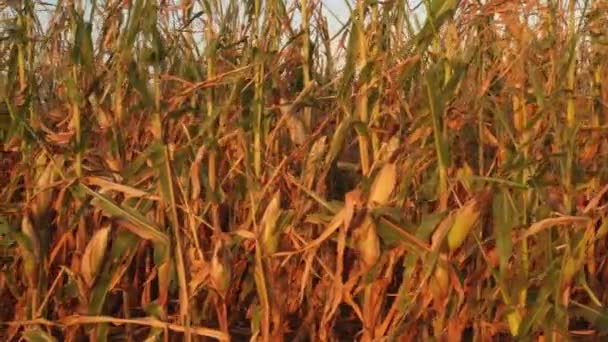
(236, 170)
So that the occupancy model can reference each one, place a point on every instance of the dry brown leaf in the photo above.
(388, 149)
(551, 222)
(352, 201)
(199, 270)
(343, 217)
(147, 321)
(297, 131)
(219, 271)
(107, 185)
(62, 138)
(317, 152)
(595, 201)
(195, 173)
(419, 134)
(455, 328)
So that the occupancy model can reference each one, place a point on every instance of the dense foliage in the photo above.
(235, 169)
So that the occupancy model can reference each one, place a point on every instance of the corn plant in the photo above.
(231, 170)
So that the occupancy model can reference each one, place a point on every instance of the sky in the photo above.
(336, 11)
(337, 8)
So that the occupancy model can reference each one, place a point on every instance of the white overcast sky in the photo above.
(336, 11)
(337, 8)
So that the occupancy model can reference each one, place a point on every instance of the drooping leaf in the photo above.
(139, 224)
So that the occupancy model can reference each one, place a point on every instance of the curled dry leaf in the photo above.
(490, 138)
(547, 223)
(353, 200)
(388, 149)
(297, 131)
(219, 273)
(199, 273)
(595, 201)
(61, 138)
(104, 120)
(164, 280)
(107, 185)
(344, 217)
(245, 234)
(93, 255)
(195, 173)
(314, 158)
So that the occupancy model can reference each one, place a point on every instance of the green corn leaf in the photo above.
(140, 225)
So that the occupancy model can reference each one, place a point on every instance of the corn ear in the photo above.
(440, 281)
(43, 200)
(368, 243)
(219, 274)
(93, 255)
(514, 320)
(270, 238)
(465, 219)
(30, 247)
(383, 185)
